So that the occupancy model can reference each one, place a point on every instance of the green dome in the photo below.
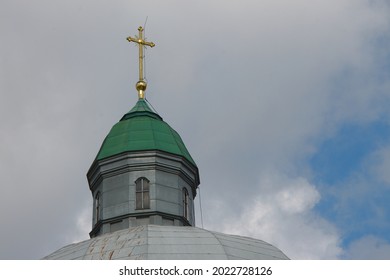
(141, 129)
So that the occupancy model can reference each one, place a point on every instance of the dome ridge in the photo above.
(141, 108)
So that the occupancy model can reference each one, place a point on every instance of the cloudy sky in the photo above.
(284, 105)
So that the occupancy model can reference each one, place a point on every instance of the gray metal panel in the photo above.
(168, 242)
(248, 248)
(71, 252)
(182, 241)
(185, 249)
(182, 256)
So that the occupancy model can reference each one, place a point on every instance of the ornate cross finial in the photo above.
(140, 40)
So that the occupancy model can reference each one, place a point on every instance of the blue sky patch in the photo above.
(345, 152)
(351, 197)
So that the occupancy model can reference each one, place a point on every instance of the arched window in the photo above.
(142, 198)
(186, 204)
(97, 206)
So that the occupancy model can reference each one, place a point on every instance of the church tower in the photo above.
(143, 173)
(143, 183)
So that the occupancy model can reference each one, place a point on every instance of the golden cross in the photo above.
(140, 40)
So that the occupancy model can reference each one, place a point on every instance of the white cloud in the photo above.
(282, 214)
(83, 223)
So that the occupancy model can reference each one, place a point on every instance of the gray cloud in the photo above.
(249, 86)
(379, 164)
(369, 248)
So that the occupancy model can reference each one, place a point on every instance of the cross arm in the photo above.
(140, 41)
(130, 39)
(150, 44)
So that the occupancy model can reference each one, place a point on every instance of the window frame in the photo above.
(98, 202)
(142, 193)
(186, 204)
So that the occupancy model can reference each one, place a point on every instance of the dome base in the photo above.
(151, 242)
